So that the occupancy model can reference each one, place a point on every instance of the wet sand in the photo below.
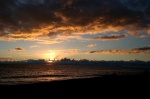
(108, 85)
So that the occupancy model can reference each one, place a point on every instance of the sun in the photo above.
(52, 55)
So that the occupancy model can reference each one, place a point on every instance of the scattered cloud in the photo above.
(143, 36)
(110, 37)
(34, 46)
(73, 51)
(16, 49)
(48, 42)
(19, 48)
(91, 45)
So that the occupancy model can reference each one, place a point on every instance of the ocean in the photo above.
(35, 73)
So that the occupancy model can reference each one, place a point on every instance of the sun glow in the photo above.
(52, 55)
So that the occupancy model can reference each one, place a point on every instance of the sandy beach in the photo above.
(107, 85)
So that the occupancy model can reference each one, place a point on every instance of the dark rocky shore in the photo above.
(108, 85)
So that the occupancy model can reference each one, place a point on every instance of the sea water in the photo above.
(34, 73)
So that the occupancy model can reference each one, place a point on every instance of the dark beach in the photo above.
(108, 85)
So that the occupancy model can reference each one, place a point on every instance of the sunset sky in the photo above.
(76, 29)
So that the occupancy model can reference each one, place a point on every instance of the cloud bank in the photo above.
(36, 19)
(142, 50)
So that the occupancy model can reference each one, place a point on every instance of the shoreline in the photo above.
(90, 86)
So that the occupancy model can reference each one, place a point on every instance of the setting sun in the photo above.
(52, 55)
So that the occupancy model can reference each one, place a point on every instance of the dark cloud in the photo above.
(73, 51)
(143, 48)
(19, 49)
(134, 51)
(110, 37)
(32, 18)
(16, 49)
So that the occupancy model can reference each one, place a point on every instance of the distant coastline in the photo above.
(67, 61)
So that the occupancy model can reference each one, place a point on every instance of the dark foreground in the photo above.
(107, 86)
